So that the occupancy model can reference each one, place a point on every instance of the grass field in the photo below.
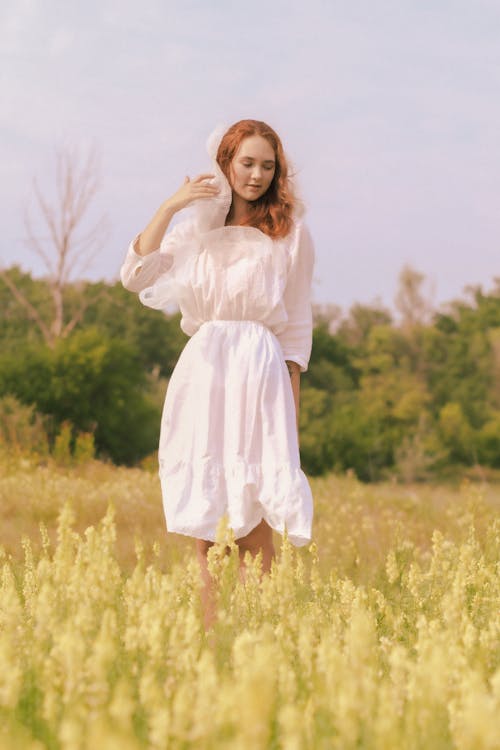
(384, 633)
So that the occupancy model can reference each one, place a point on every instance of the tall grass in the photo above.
(383, 633)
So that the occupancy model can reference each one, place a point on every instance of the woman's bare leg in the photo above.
(260, 538)
(207, 590)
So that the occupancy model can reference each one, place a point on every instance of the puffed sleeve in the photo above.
(296, 338)
(139, 272)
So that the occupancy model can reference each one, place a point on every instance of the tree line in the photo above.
(84, 366)
(411, 393)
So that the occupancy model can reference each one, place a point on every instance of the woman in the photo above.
(240, 268)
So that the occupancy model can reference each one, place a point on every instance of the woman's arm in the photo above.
(294, 370)
(150, 238)
(296, 338)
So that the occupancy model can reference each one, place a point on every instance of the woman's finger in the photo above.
(205, 193)
(204, 188)
(204, 177)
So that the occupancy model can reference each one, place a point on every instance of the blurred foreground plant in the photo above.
(300, 659)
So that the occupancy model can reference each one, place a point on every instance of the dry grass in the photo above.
(355, 525)
(386, 639)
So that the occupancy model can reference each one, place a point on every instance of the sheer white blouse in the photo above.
(231, 273)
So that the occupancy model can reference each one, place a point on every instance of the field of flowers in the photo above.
(383, 634)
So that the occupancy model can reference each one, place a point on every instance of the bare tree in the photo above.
(327, 314)
(67, 245)
(413, 302)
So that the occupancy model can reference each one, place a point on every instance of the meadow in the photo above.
(383, 633)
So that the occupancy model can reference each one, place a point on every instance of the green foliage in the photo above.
(70, 450)
(488, 442)
(380, 397)
(360, 321)
(15, 323)
(22, 430)
(84, 447)
(94, 382)
(419, 452)
(456, 433)
(156, 338)
(62, 444)
(315, 447)
(407, 399)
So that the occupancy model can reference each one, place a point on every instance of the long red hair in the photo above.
(272, 212)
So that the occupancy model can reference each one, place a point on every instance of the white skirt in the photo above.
(228, 442)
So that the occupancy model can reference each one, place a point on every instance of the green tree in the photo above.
(488, 441)
(157, 338)
(96, 383)
(315, 447)
(456, 434)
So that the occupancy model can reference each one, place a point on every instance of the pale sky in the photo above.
(389, 109)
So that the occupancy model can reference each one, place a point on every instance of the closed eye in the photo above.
(267, 165)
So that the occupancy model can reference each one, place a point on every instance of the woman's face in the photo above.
(252, 168)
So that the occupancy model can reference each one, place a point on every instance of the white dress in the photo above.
(228, 442)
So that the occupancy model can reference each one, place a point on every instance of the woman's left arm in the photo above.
(296, 339)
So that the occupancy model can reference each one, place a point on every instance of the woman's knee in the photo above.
(202, 547)
(261, 537)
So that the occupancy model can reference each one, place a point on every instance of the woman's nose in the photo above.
(256, 174)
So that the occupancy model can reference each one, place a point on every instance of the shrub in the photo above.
(22, 429)
(95, 383)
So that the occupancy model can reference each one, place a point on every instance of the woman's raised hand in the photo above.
(192, 190)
